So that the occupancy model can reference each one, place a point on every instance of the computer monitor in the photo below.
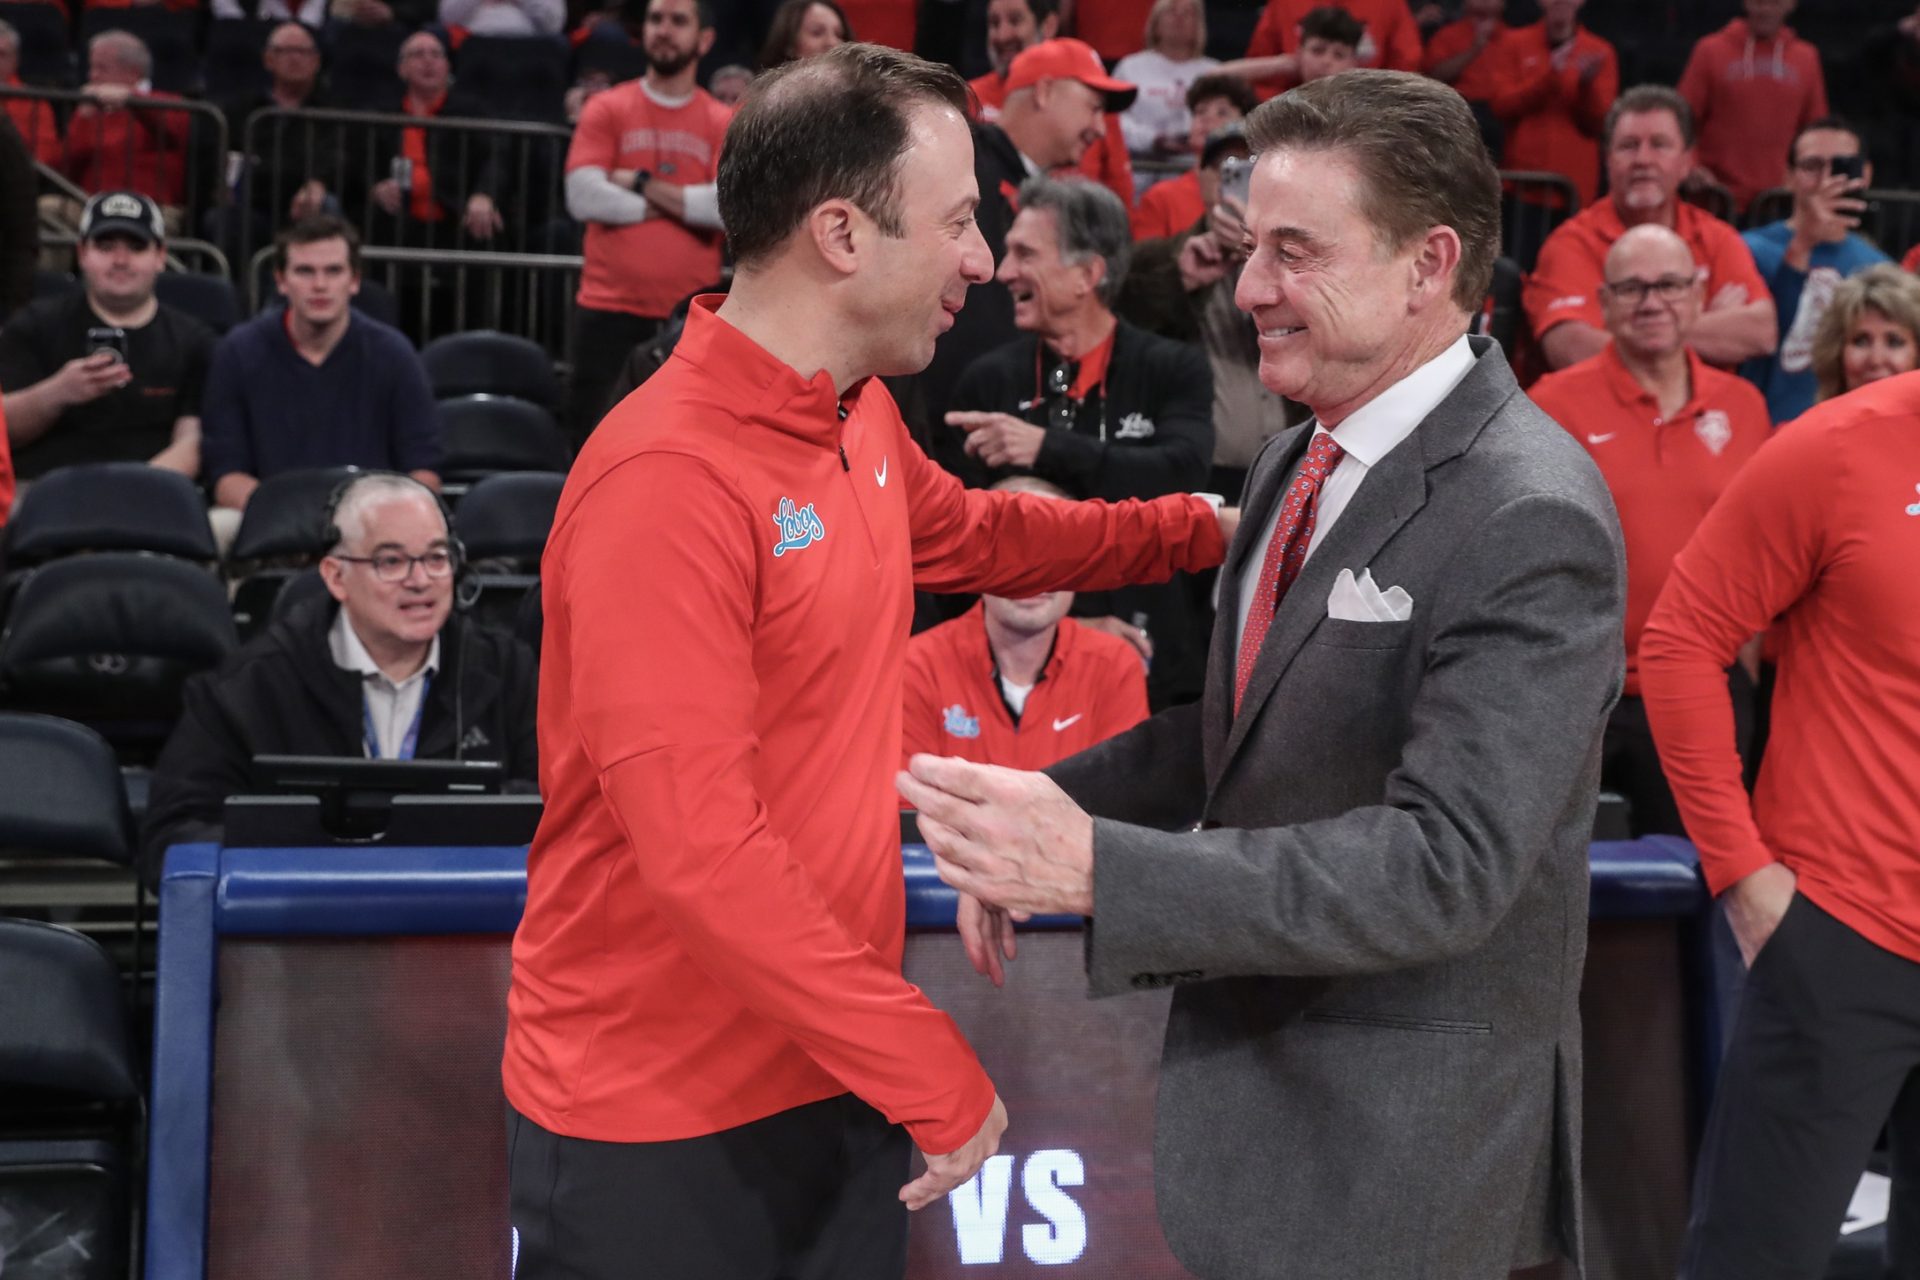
(356, 795)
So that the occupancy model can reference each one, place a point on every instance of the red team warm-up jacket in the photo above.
(715, 909)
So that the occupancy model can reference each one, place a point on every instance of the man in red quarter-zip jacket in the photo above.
(713, 1062)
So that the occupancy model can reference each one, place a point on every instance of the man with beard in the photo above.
(640, 175)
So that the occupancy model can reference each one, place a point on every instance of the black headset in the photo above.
(462, 600)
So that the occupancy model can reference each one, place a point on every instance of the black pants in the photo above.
(807, 1194)
(599, 345)
(1825, 1050)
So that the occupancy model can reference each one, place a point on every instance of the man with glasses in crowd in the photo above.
(299, 166)
(1806, 255)
(382, 668)
(1091, 404)
(1668, 431)
(316, 384)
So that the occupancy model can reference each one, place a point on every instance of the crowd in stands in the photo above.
(1106, 359)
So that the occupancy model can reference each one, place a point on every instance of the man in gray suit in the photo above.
(1362, 859)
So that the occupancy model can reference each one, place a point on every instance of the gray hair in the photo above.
(128, 47)
(359, 496)
(8, 35)
(1090, 222)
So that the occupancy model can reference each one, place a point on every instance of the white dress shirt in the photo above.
(1369, 434)
(390, 707)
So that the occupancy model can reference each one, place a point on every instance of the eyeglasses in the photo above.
(1821, 166)
(395, 566)
(1634, 292)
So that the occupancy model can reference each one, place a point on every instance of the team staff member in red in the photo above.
(640, 176)
(1668, 431)
(1817, 872)
(1017, 682)
(709, 1041)
(1649, 150)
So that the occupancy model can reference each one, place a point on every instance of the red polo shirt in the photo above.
(1822, 529)
(1092, 687)
(1553, 125)
(1565, 284)
(1169, 207)
(1664, 471)
(1106, 161)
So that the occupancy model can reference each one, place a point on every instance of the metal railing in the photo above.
(372, 178)
(183, 254)
(1532, 204)
(442, 291)
(170, 149)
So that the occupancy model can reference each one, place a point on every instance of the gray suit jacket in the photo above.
(1372, 1064)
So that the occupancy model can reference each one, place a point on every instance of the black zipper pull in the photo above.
(843, 458)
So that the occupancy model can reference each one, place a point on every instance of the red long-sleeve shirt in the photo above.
(1823, 527)
(1749, 97)
(134, 148)
(1391, 38)
(1091, 688)
(1475, 81)
(715, 911)
(1553, 121)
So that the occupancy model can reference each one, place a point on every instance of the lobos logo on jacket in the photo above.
(799, 529)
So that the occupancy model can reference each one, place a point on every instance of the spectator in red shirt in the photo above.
(894, 23)
(1017, 682)
(1458, 52)
(1816, 871)
(1112, 27)
(1389, 36)
(1649, 149)
(803, 29)
(1753, 85)
(111, 145)
(33, 118)
(1553, 83)
(1218, 102)
(1668, 432)
(1014, 26)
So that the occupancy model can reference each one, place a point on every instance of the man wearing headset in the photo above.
(381, 668)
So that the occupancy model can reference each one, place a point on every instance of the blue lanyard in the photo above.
(411, 740)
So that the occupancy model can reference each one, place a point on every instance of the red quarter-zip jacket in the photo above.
(715, 908)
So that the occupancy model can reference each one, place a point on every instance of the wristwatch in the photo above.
(640, 179)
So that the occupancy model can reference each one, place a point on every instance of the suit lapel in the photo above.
(1385, 500)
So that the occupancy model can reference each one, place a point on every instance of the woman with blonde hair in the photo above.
(1156, 124)
(1871, 330)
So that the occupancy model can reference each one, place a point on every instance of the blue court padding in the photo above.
(209, 892)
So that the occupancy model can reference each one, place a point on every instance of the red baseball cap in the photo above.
(1065, 59)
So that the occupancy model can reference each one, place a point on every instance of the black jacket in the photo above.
(19, 222)
(1157, 419)
(281, 694)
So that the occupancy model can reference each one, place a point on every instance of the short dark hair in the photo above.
(1831, 124)
(1418, 152)
(785, 28)
(1644, 98)
(1333, 24)
(1218, 84)
(635, 11)
(825, 128)
(1040, 9)
(313, 230)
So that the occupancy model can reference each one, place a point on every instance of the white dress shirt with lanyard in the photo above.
(390, 712)
(1369, 434)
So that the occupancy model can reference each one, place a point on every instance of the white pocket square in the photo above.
(1359, 600)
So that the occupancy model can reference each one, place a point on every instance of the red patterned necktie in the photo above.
(1292, 534)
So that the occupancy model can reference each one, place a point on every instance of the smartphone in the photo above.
(108, 338)
(1854, 167)
(1236, 178)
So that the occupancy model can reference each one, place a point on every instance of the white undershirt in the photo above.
(1369, 434)
(1015, 694)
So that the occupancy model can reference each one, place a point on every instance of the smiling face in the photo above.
(1331, 304)
(820, 30)
(1647, 161)
(1046, 288)
(1877, 348)
(1011, 28)
(914, 284)
(119, 269)
(1652, 295)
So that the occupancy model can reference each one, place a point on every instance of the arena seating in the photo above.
(507, 517)
(109, 506)
(485, 434)
(488, 362)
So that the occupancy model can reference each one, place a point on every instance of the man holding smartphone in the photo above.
(106, 373)
(1806, 255)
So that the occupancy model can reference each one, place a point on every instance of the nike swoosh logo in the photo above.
(1602, 439)
(880, 476)
(1068, 723)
